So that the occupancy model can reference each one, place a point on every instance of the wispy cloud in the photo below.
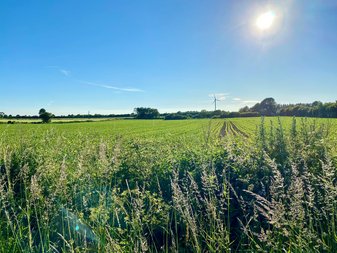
(241, 101)
(61, 70)
(250, 101)
(65, 72)
(107, 86)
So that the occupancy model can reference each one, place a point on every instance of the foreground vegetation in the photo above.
(169, 186)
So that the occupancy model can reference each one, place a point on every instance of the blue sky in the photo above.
(106, 56)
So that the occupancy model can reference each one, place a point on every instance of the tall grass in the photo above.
(86, 194)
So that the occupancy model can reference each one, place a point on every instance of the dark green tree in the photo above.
(244, 109)
(146, 113)
(45, 116)
(268, 107)
(42, 110)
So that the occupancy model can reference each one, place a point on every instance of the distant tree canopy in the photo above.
(268, 107)
(45, 116)
(146, 113)
(203, 114)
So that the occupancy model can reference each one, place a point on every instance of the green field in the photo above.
(55, 120)
(219, 185)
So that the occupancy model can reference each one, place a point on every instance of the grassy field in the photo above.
(220, 185)
(55, 120)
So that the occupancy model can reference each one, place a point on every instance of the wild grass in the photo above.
(88, 192)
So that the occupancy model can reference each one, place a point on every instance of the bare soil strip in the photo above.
(229, 128)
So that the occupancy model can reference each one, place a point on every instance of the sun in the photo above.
(265, 21)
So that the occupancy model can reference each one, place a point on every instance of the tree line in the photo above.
(267, 107)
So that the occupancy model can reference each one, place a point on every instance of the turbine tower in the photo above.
(214, 101)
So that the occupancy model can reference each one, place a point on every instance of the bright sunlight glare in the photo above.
(265, 20)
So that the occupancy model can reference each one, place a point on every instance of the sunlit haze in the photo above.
(265, 20)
